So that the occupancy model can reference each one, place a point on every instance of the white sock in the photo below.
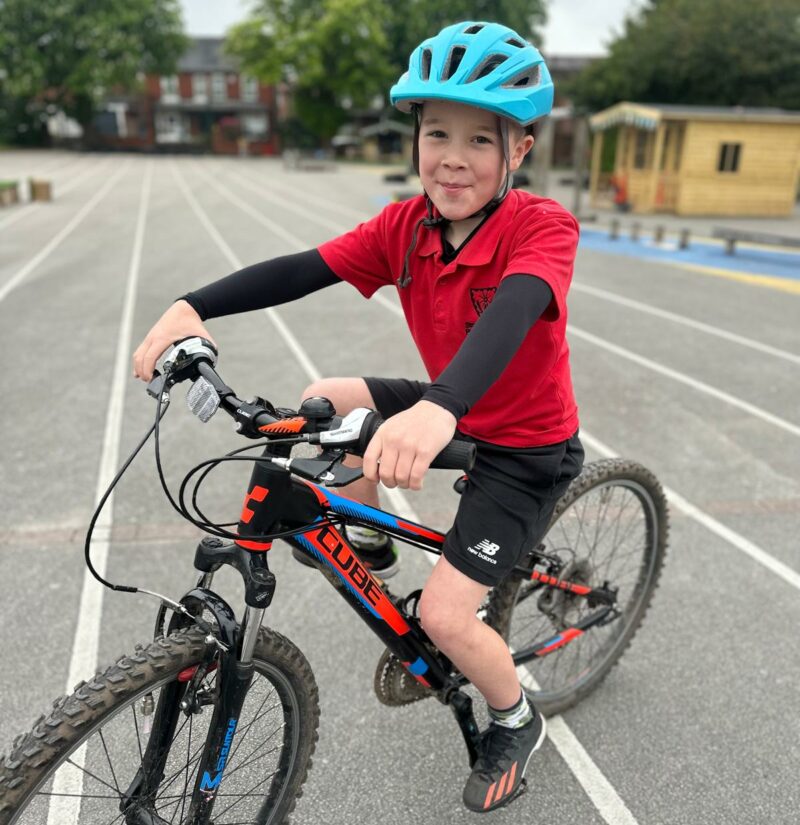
(514, 717)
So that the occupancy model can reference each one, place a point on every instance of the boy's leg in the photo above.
(504, 510)
(448, 609)
(388, 397)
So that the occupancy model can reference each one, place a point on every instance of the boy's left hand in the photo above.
(405, 444)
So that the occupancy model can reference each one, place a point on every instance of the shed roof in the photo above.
(649, 115)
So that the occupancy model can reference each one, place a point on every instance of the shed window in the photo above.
(729, 157)
(640, 149)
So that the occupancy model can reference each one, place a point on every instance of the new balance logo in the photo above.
(484, 550)
(488, 547)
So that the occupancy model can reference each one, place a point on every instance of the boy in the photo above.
(482, 273)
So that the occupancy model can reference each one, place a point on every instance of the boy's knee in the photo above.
(439, 620)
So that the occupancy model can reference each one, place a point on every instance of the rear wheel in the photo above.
(609, 529)
(77, 762)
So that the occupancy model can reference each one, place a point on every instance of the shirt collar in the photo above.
(482, 246)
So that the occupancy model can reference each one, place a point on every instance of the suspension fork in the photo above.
(235, 671)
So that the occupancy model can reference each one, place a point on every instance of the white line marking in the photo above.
(746, 546)
(688, 322)
(57, 193)
(700, 386)
(16, 279)
(587, 773)
(233, 260)
(686, 507)
(64, 810)
(293, 192)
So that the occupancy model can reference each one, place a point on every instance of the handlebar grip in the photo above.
(457, 455)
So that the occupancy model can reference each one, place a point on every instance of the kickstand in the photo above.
(462, 708)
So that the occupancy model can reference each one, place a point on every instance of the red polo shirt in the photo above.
(532, 403)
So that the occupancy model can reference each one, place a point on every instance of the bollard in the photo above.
(684, 240)
(658, 237)
(614, 233)
(40, 190)
(635, 232)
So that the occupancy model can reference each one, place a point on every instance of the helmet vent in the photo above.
(473, 29)
(512, 41)
(530, 77)
(488, 66)
(453, 62)
(425, 73)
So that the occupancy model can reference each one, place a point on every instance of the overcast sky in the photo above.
(574, 26)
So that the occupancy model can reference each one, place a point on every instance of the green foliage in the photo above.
(715, 52)
(339, 54)
(70, 53)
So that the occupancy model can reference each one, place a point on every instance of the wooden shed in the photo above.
(696, 160)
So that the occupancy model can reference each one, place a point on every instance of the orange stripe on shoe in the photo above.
(511, 774)
(489, 794)
(501, 787)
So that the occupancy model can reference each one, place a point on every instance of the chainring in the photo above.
(394, 685)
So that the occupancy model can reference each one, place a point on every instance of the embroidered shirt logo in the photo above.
(481, 298)
(485, 550)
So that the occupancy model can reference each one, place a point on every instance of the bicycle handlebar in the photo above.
(194, 359)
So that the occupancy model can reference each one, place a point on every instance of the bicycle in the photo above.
(123, 748)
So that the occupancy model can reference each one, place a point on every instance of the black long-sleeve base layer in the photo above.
(519, 302)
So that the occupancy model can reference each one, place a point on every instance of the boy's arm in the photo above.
(254, 287)
(402, 449)
(261, 285)
(498, 333)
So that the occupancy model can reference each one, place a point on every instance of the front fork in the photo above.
(234, 663)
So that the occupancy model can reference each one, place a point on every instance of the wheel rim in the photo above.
(609, 533)
(265, 748)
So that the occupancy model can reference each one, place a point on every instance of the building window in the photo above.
(729, 157)
(676, 156)
(249, 89)
(640, 149)
(219, 90)
(169, 87)
(200, 88)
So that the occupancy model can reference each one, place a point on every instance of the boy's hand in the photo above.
(179, 321)
(404, 446)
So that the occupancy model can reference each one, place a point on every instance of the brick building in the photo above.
(208, 105)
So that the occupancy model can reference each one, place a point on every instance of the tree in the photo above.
(718, 52)
(339, 54)
(68, 54)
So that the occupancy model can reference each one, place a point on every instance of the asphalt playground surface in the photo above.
(692, 372)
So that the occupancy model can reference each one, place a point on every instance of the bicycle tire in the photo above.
(109, 701)
(524, 612)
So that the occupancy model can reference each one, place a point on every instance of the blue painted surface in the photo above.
(745, 260)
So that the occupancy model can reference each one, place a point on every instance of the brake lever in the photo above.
(158, 384)
(325, 469)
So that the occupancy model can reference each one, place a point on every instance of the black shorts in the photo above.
(509, 497)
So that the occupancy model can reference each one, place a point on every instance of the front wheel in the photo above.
(77, 762)
(608, 530)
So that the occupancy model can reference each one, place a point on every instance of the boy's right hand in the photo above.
(179, 321)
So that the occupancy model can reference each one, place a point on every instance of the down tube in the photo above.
(365, 595)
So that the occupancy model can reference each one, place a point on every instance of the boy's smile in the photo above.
(461, 162)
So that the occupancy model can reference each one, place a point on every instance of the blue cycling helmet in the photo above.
(486, 65)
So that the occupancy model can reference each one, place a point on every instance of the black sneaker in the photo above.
(382, 562)
(501, 765)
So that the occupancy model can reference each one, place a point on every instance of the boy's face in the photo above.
(461, 163)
